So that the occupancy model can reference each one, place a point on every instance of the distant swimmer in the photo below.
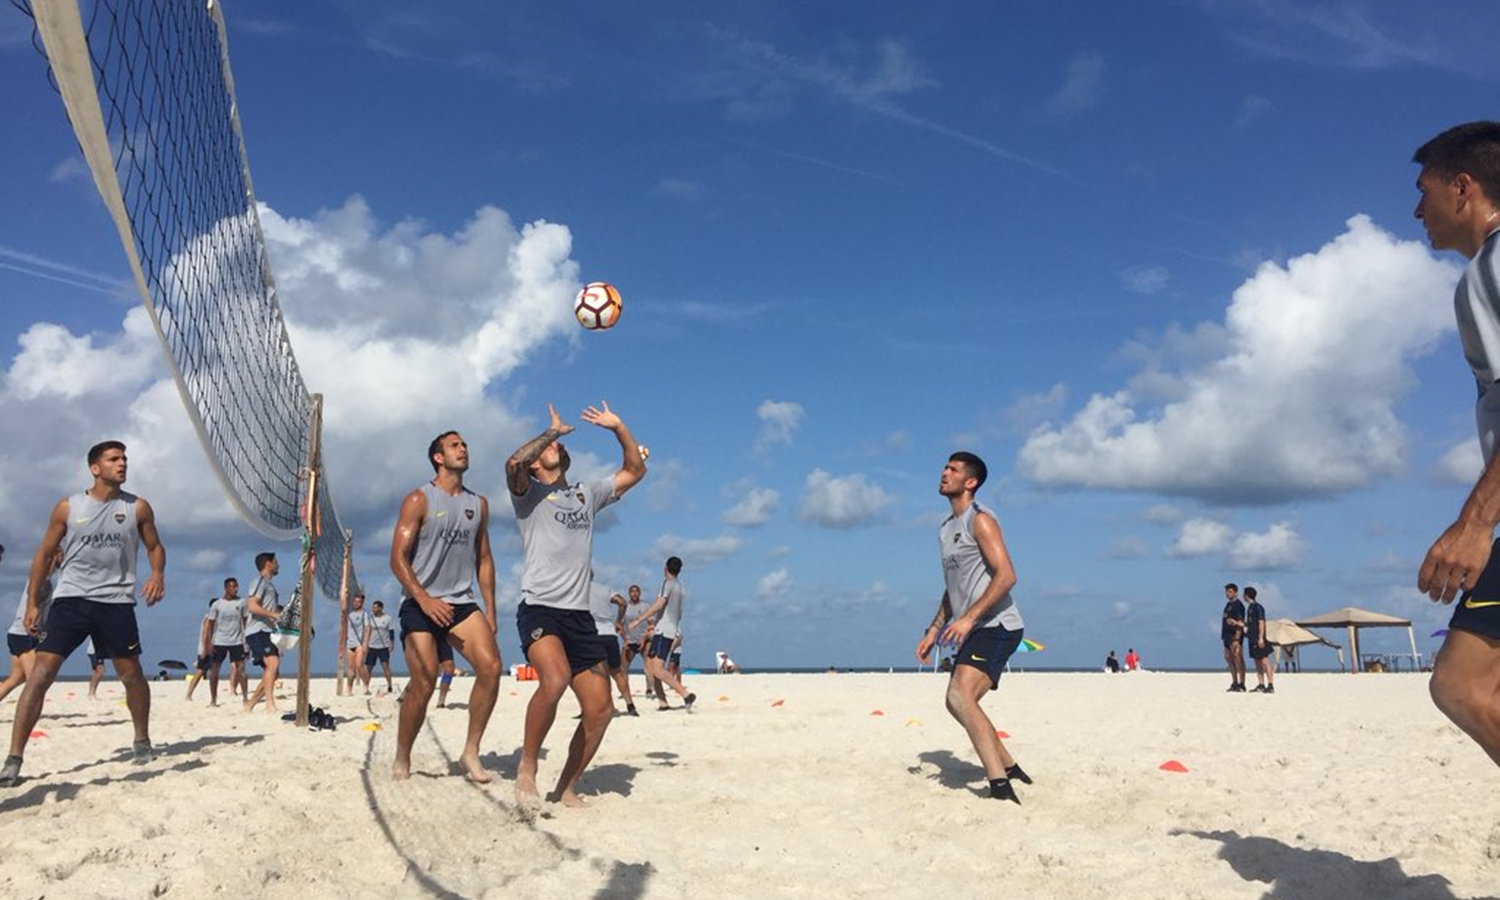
(1460, 209)
(977, 615)
(440, 554)
(99, 533)
(556, 520)
(263, 607)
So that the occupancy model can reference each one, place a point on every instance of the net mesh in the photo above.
(161, 71)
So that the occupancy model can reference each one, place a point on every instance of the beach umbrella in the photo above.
(1027, 645)
(1353, 619)
(173, 664)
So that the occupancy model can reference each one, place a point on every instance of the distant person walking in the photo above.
(1232, 632)
(1460, 209)
(668, 637)
(99, 533)
(977, 615)
(1260, 648)
(263, 608)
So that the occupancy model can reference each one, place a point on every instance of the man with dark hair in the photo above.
(556, 520)
(355, 646)
(263, 607)
(1260, 648)
(1232, 632)
(668, 636)
(99, 533)
(225, 629)
(977, 615)
(1459, 207)
(440, 548)
(637, 637)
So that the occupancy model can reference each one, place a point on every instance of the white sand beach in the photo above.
(845, 785)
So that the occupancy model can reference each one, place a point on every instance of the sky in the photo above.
(1154, 262)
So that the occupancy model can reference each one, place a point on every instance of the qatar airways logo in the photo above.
(98, 541)
(453, 535)
(572, 520)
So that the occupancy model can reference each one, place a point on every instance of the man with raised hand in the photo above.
(1460, 209)
(441, 547)
(556, 520)
(99, 533)
(976, 615)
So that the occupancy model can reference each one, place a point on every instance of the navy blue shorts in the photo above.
(21, 643)
(988, 649)
(661, 647)
(574, 627)
(235, 652)
(611, 651)
(204, 663)
(414, 621)
(377, 655)
(261, 647)
(1478, 610)
(74, 620)
(445, 653)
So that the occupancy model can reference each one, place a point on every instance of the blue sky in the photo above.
(1154, 261)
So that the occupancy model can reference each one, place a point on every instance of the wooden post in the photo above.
(338, 651)
(304, 642)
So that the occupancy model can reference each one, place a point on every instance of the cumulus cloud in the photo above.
(1083, 85)
(1463, 463)
(754, 509)
(1200, 537)
(1146, 279)
(847, 501)
(695, 551)
(1296, 341)
(774, 584)
(1278, 547)
(778, 420)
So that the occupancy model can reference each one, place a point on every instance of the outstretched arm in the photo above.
(518, 467)
(633, 462)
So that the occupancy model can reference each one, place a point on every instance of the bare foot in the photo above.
(474, 770)
(401, 770)
(567, 798)
(526, 793)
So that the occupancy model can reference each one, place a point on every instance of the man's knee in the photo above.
(1454, 696)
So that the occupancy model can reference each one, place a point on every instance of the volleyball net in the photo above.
(148, 90)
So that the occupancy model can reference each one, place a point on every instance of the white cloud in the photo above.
(696, 551)
(1085, 81)
(1162, 514)
(1146, 279)
(1200, 537)
(1278, 547)
(774, 584)
(1277, 416)
(754, 509)
(1030, 410)
(778, 420)
(847, 501)
(1463, 463)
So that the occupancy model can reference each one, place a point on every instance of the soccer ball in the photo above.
(597, 306)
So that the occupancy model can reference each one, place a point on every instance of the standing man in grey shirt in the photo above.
(976, 615)
(226, 622)
(99, 533)
(668, 633)
(380, 637)
(263, 608)
(556, 521)
(441, 546)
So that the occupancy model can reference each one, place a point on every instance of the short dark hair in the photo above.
(229, 581)
(975, 466)
(379, 603)
(1472, 148)
(261, 559)
(1250, 592)
(100, 448)
(674, 565)
(1231, 586)
(436, 447)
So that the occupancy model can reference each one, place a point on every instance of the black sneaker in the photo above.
(631, 711)
(689, 700)
(1016, 773)
(1001, 789)
(1258, 689)
(1270, 689)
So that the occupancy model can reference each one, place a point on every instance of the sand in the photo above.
(821, 786)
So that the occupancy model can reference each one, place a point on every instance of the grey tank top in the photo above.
(966, 574)
(99, 550)
(443, 559)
